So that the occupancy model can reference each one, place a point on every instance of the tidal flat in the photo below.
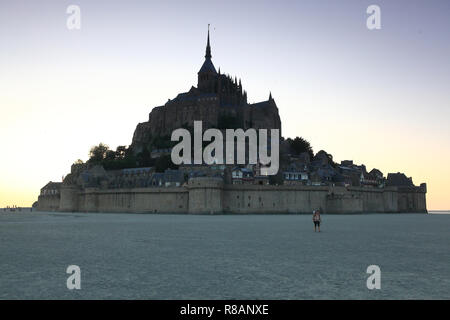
(151, 256)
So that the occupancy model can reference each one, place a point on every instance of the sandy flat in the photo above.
(139, 256)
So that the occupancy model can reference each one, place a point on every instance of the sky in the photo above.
(379, 97)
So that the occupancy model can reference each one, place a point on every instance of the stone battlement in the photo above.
(205, 195)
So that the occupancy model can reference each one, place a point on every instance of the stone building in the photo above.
(49, 197)
(399, 180)
(219, 100)
(51, 188)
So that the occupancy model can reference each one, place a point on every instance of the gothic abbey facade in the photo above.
(218, 100)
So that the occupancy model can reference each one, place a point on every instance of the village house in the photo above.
(295, 177)
(51, 188)
(242, 176)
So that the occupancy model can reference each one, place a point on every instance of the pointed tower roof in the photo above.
(208, 47)
(270, 96)
(208, 66)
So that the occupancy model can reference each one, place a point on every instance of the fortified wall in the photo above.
(210, 196)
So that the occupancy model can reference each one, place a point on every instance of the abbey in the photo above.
(214, 152)
(219, 101)
(219, 175)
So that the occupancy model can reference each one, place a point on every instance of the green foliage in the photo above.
(121, 152)
(118, 164)
(124, 157)
(98, 153)
(329, 157)
(112, 160)
(144, 158)
(300, 145)
(331, 161)
(163, 163)
(110, 155)
(162, 142)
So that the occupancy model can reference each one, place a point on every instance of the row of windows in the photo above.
(49, 192)
(294, 176)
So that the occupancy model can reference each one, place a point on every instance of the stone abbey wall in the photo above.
(211, 196)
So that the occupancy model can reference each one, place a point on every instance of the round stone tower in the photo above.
(69, 199)
(205, 195)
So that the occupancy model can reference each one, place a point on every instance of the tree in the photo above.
(144, 158)
(300, 145)
(321, 154)
(110, 155)
(121, 152)
(98, 153)
(331, 161)
(163, 163)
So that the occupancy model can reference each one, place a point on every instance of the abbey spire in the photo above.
(208, 66)
(208, 47)
(207, 74)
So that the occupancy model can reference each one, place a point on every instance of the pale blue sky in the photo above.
(379, 97)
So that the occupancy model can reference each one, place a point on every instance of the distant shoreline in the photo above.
(28, 210)
(18, 209)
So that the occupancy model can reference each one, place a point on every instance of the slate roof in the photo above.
(208, 67)
(52, 186)
(193, 96)
(173, 176)
(137, 170)
(261, 104)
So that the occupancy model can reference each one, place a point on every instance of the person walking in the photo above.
(316, 219)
